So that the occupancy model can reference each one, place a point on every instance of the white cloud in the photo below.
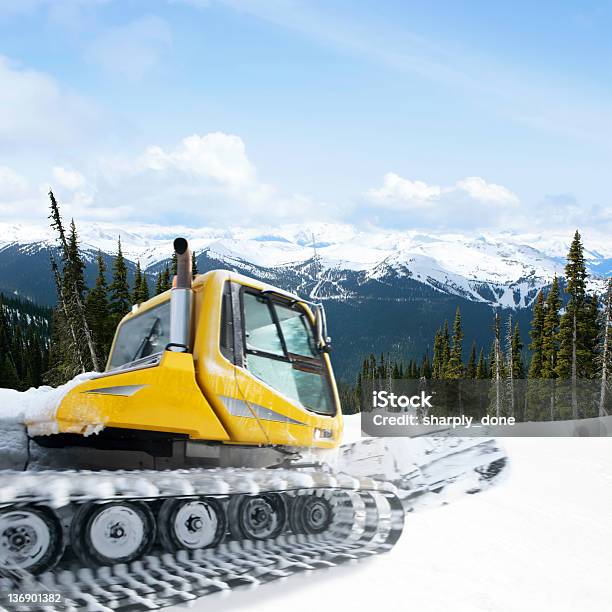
(470, 202)
(397, 191)
(482, 191)
(36, 112)
(133, 49)
(218, 156)
(12, 184)
(203, 179)
(70, 179)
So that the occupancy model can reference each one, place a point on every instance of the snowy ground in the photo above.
(541, 540)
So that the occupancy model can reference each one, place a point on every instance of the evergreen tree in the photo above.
(120, 300)
(550, 332)
(537, 337)
(141, 286)
(436, 367)
(57, 224)
(194, 263)
(75, 349)
(425, 371)
(445, 348)
(498, 373)
(97, 308)
(144, 288)
(482, 370)
(470, 370)
(517, 353)
(9, 378)
(605, 360)
(454, 365)
(166, 280)
(73, 269)
(137, 282)
(578, 327)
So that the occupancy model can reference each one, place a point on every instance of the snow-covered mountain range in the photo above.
(503, 269)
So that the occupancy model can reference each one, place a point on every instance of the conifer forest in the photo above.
(563, 371)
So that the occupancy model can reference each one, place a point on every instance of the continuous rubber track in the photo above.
(368, 519)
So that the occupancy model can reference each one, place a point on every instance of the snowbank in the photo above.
(29, 412)
(35, 404)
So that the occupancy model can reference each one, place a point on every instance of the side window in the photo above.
(227, 324)
(143, 335)
(261, 333)
(280, 351)
(296, 331)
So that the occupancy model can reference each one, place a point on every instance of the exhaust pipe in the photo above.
(181, 300)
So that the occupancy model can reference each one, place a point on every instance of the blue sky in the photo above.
(438, 115)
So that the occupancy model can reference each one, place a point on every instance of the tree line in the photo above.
(564, 374)
(24, 343)
(83, 323)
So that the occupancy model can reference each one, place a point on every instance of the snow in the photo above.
(458, 262)
(35, 407)
(540, 540)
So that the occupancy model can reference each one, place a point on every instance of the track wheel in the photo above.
(310, 514)
(191, 523)
(257, 517)
(116, 532)
(30, 539)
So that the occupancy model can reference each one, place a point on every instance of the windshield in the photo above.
(281, 351)
(143, 335)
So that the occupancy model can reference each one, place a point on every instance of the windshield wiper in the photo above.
(145, 340)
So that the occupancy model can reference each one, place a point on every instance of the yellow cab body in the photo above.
(254, 374)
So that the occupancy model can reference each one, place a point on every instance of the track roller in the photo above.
(310, 514)
(110, 533)
(191, 523)
(257, 517)
(30, 539)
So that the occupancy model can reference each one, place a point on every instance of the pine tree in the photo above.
(120, 300)
(166, 280)
(98, 313)
(74, 267)
(454, 365)
(550, 332)
(144, 288)
(517, 353)
(436, 364)
(578, 327)
(605, 362)
(537, 337)
(511, 360)
(470, 370)
(482, 370)
(57, 224)
(425, 371)
(75, 349)
(445, 348)
(8, 372)
(137, 282)
(194, 263)
(498, 373)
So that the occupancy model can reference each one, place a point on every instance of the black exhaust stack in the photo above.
(181, 302)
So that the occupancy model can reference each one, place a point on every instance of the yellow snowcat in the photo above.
(202, 456)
